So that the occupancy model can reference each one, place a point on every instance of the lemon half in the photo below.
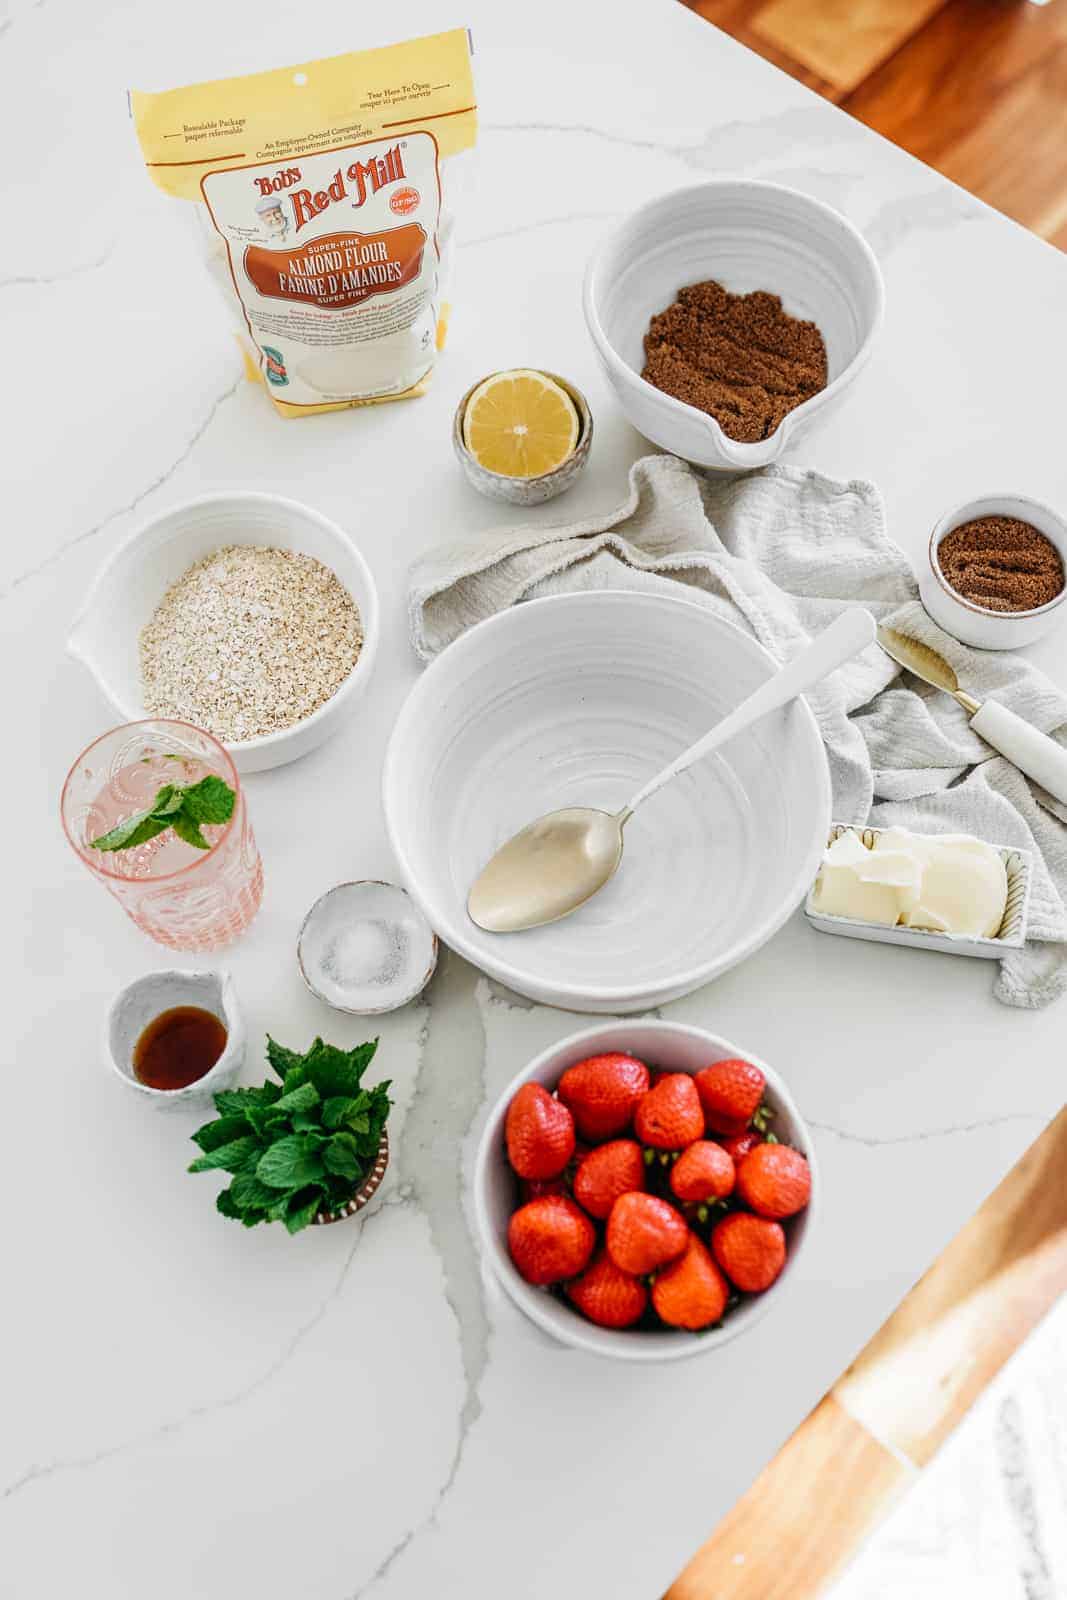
(520, 424)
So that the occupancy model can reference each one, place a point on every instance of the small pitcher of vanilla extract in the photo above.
(176, 1037)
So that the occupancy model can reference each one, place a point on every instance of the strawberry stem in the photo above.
(761, 1117)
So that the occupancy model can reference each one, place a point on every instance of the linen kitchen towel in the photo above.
(781, 552)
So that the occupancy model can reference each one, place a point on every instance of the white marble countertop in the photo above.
(195, 1410)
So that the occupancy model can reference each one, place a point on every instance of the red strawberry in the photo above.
(669, 1116)
(539, 1133)
(607, 1296)
(643, 1232)
(550, 1239)
(750, 1250)
(602, 1092)
(691, 1292)
(740, 1144)
(730, 1092)
(703, 1172)
(608, 1171)
(534, 1188)
(774, 1180)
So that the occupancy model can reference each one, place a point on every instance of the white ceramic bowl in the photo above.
(577, 700)
(973, 624)
(147, 998)
(392, 948)
(134, 579)
(678, 1048)
(747, 235)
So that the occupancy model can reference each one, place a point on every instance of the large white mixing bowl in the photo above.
(747, 235)
(577, 700)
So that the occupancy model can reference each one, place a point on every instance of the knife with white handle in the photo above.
(1032, 751)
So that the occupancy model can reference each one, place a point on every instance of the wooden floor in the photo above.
(866, 1443)
(976, 88)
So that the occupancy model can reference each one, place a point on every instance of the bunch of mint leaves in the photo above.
(299, 1146)
(184, 810)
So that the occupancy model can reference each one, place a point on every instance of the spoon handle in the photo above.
(846, 636)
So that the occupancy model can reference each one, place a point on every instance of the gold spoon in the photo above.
(554, 865)
(1032, 751)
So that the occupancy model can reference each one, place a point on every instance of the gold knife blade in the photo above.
(924, 662)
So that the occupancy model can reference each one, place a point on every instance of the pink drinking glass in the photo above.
(181, 896)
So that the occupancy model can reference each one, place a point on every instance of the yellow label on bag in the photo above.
(326, 194)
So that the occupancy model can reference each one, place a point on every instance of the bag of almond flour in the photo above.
(325, 197)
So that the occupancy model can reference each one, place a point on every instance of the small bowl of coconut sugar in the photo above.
(365, 948)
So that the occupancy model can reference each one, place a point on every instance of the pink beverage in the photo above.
(181, 896)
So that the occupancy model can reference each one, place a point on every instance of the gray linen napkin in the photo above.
(782, 551)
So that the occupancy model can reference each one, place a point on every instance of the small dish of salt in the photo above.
(365, 947)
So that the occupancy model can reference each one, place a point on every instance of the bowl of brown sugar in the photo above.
(730, 315)
(996, 576)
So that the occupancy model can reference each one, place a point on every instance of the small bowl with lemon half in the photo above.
(523, 435)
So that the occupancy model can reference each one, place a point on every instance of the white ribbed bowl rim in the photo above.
(574, 994)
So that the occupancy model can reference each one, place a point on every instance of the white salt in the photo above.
(371, 952)
(366, 947)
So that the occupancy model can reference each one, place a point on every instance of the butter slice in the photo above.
(854, 882)
(946, 883)
(964, 887)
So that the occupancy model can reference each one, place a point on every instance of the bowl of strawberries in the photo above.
(644, 1189)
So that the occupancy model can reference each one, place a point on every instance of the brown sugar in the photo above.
(1001, 564)
(739, 357)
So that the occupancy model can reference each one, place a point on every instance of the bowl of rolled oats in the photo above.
(247, 614)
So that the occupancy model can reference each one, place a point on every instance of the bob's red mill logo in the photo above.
(352, 183)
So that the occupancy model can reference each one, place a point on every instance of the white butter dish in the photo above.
(1018, 866)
